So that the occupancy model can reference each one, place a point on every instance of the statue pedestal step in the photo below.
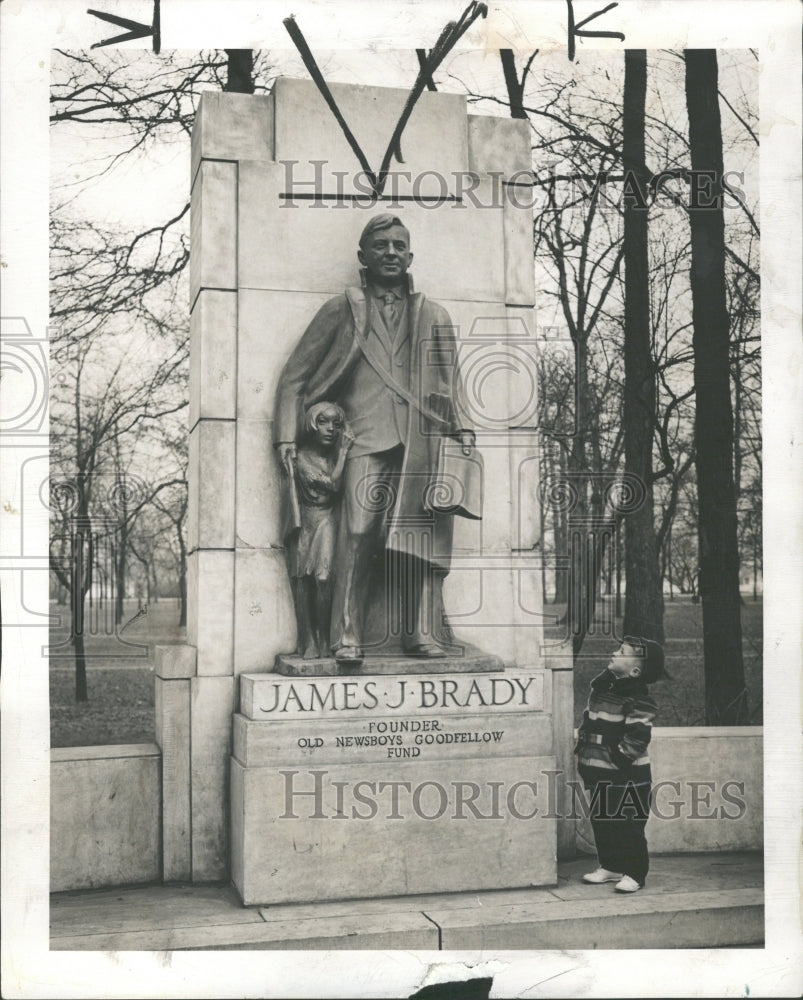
(471, 661)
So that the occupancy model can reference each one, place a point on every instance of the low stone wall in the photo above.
(105, 816)
(709, 791)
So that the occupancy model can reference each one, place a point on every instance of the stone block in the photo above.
(173, 736)
(264, 616)
(174, 662)
(212, 702)
(711, 794)
(498, 356)
(213, 357)
(210, 512)
(368, 830)
(485, 601)
(258, 486)
(563, 726)
(464, 595)
(519, 261)
(270, 696)
(105, 813)
(434, 144)
(525, 479)
(523, 372)
(210, 609)
(437, 236)
(501, 146)
(270, 324)
(232, 127)
(332, 741)
(497, 506)
(528, 617)
(213, 228)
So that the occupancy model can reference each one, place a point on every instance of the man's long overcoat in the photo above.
(319, 369)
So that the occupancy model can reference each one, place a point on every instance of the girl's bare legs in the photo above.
(305, 606)
(323, 615)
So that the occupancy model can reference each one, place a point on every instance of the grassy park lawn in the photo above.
(120, 676)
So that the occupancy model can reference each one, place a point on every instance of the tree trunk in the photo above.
(561, 534)
(725, 695)
(580, 540)
(669, 563)
(542, 526)
(81, 692)
(120, 565)
(81, 577)
(644, 603)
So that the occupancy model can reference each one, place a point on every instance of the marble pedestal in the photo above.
(392, 784)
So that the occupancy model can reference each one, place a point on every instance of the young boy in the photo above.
(613, 763)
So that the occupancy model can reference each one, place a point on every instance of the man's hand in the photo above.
(467, 441)
(287, 457)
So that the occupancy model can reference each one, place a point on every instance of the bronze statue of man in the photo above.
(387, 355)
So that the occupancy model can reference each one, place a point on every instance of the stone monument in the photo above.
(415, 754)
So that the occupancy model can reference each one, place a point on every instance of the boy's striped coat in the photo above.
(616, 727)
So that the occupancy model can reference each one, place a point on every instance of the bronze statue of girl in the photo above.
(314, 501)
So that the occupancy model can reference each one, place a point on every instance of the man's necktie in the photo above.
(389, 310)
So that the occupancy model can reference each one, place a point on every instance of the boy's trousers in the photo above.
(619, 810)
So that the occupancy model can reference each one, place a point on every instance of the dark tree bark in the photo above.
(644, 602)
(121, 562)
(81, 584)
(514, 85)
(725, 695)
(561, 533)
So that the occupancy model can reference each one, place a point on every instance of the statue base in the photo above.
(370, 784)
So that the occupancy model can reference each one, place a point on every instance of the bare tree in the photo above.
(644, 605)
(109, 283)
(92, 413)
(726, 696)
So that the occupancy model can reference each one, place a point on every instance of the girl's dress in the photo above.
(315, 543)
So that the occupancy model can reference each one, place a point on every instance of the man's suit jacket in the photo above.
(377, 417)
(321, 368)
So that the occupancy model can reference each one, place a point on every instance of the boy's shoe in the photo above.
(627, 884)
(603, 875)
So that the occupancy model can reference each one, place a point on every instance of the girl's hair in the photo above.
(312, 414)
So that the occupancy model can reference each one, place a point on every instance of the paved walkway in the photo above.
(690, 901)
